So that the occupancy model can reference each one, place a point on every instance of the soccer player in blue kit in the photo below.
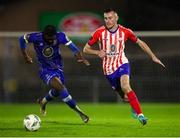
(46, 45)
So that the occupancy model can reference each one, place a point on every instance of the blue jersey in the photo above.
(49, 56)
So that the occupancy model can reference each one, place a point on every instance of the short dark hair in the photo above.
(109, 10)
(49, 30)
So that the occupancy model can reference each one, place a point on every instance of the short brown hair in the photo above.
(109, 10)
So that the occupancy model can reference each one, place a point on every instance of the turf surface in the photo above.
(106, 120)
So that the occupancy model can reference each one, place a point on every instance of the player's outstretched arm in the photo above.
(146, 48)
(27, 58)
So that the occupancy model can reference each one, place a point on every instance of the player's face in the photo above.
(49, 39)
(110, 19)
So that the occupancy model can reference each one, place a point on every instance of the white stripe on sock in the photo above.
(67, 98)
(50, 94)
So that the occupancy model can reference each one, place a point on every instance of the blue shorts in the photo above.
(47, 74)
(114, 79)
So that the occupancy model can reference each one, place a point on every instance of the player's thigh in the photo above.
(55, 77)
(56, 84)
(114, 82)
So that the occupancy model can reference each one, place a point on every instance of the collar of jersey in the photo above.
(113, 31)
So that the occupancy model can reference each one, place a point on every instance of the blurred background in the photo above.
(157, 22)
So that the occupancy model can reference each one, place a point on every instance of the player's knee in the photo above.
(57, 84)
(60, 87)
(126, 88)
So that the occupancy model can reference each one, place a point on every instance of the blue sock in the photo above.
(52, 94)
(66, 97)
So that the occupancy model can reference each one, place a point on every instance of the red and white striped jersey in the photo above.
(113, 43)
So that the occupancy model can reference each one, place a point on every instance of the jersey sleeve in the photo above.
(63, 38)
(26, 38)
(29, 38)
(66, 41)
(94, 38)
(131, 35)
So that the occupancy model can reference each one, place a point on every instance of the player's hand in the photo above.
(28, 59)
(101, 54)
(81, 59)
(156, 60)
(86, 62)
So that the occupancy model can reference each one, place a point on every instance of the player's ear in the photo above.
(117, 17)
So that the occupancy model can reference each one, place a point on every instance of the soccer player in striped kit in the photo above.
(116, 68)
(47, 46)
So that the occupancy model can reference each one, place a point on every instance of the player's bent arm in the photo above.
(73, 48)
(23, 42)
(100, 53)
(146, 49)
(27, 58)
(88, 50)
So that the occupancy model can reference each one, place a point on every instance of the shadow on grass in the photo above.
(17, 129)
(63, 123)
(83, 124)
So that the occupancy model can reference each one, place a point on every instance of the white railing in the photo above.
(164, 33)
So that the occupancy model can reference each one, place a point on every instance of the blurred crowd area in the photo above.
(23, 15)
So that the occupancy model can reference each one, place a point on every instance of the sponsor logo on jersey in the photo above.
(113, 51)
(48, 52)
(113, 48)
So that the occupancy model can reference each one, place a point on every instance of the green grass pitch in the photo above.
(106, 120)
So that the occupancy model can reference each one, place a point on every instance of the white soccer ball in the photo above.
(32, 122)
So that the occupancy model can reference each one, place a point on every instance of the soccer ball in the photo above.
(32, 122)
